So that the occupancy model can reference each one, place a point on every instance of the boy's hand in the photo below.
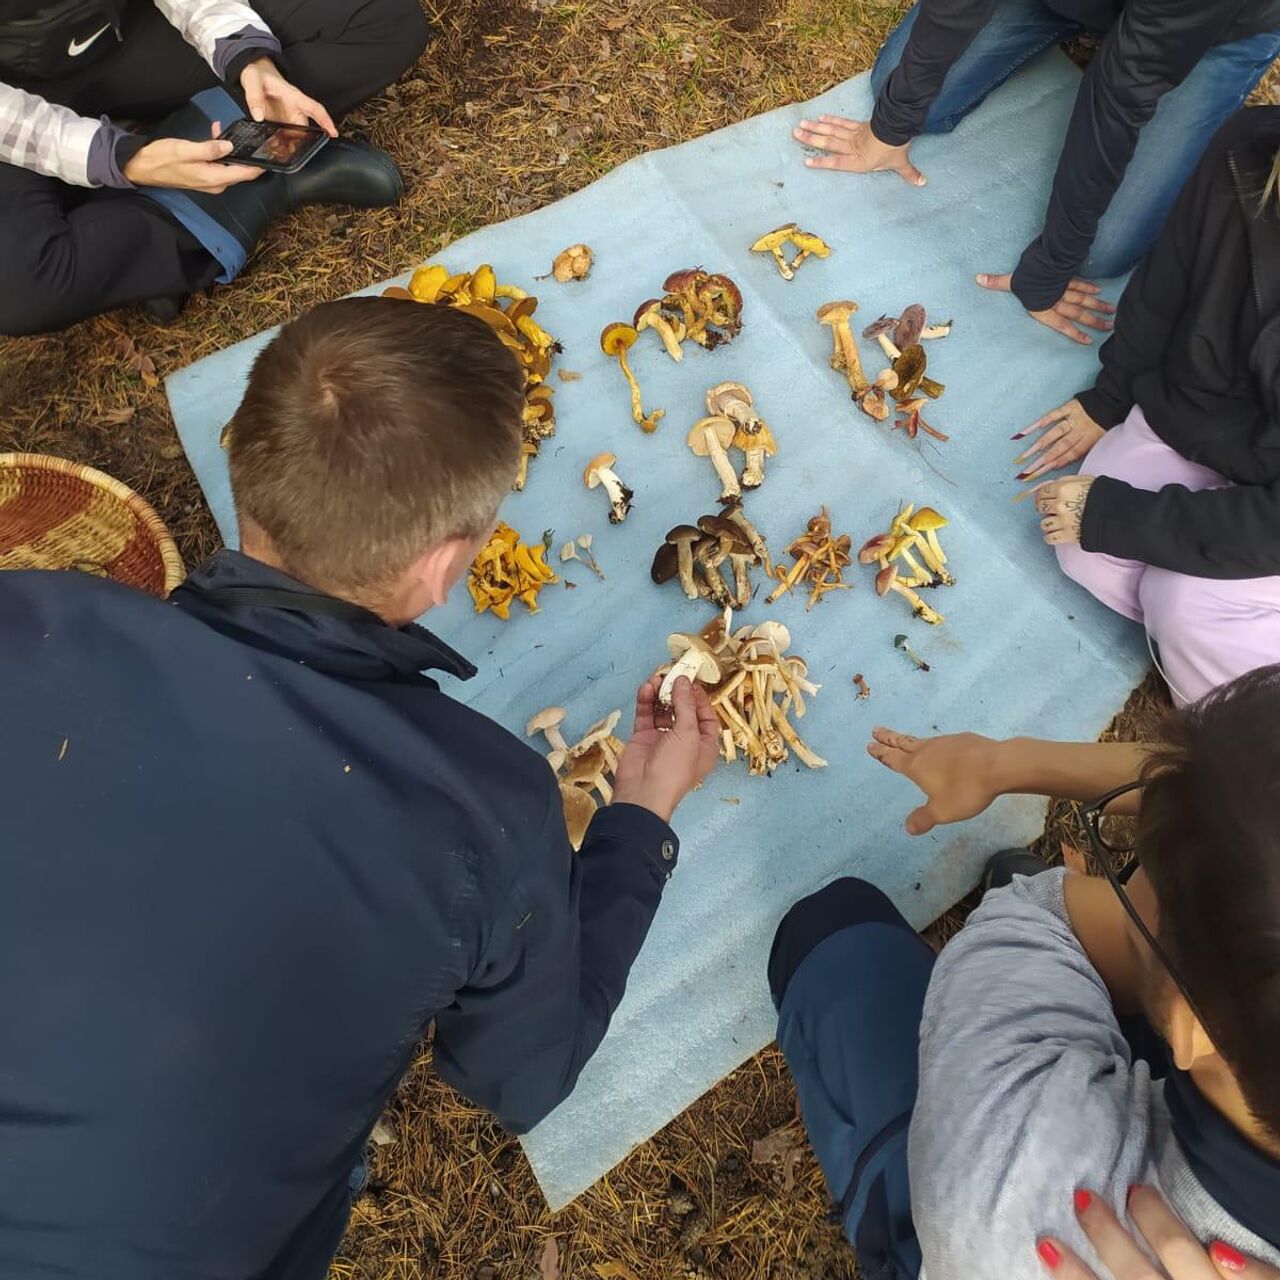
(670, 752)
(1181, 1255)
(955, 772)
(850, 145)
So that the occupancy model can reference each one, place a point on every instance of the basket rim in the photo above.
(174, 570)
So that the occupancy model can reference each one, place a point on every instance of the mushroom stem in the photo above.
(887, 346)
(619, 494)
(795, 742)
(684, 554)
(556, 738)
(935, 546)
(935, 564)
(753, 472)
(742, 581)
(921, 610)
(685, 665)
(715, 580)
(785, 269)
(913, 564)
(601, 784)
(729, 486)
(662, 326)
(739, 517)
(852, 361)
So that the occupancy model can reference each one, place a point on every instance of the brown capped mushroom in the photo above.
(599, 472)
(683, 538)
(649, 316)
(573, 263)
(887, 580)
(846, 358)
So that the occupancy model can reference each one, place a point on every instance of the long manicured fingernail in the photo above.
(1083, 1199)
(1023, 475)
(1049, 1254)
(1225, 1256)
(1017, 435)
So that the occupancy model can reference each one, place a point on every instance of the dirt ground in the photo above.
(517, 103)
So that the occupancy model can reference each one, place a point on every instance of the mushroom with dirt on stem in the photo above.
(845, 357)
(615, 340)
(736, 545)
(864, 689)
(900, 642)
(887, 580)
(733, 511)
(600, 473)
(709, 438)
(916, 527)
(548, 722)
(756, 445)
(710, 554)
(694, 660)
(649, 316)
(683, 537)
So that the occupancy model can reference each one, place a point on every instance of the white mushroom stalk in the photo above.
(599, 473)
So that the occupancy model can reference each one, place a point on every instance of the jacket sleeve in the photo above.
(43, 137)
(943, 30)
(555, 956)
(1152, 48)
(1215, 533)
(222, 32)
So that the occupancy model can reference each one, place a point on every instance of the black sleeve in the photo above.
(1216, 533)
(1151, 49)
(943, 30)
(555, 955)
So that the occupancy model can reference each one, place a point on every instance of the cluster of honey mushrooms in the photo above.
(696, 306)
(508, 311)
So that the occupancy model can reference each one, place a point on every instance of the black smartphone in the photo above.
(269, 144)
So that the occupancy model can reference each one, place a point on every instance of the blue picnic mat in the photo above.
(1022, 650)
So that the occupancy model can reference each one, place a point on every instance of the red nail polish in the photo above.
(1049, 1255)
(1022, 475)
(1083, 1200)
(1225, 1256)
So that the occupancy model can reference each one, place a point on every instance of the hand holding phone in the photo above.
(271, 144)
(188, 166)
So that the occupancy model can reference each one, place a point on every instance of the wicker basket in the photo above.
(56, 514)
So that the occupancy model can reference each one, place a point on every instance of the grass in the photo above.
(517, 103)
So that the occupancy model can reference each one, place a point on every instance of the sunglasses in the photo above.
(1105, 849)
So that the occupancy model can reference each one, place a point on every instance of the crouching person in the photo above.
(253, 851)
(1080, 1035)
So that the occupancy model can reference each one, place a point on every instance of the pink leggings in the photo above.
(1208, 630)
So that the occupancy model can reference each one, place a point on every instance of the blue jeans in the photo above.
(848, 976)
(1169, 147)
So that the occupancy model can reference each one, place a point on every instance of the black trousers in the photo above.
(70, 252)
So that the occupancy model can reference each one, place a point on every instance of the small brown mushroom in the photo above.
(709, 438)
(887, 580)
(683, 537)
(573, 263)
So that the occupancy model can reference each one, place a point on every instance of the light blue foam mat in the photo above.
(1022, 650)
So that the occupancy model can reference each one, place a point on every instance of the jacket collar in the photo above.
(266, 609)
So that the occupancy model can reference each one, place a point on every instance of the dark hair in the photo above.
(371, 429)
(1209, 840)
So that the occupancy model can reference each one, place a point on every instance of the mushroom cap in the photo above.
(885, 580)
(725, 394)
(720, 426)
(835, 312)
(773, 239)
(398, 291)
(910, 325)
(616, 338)
(679, 644)
(687, 278)
(579, 809)
(651, 308)
(927, 518)
(774, 633)
(598, 732)
(810, 243)
(587, 765)
(601, 462)
(873, 403)
(547, 718)
(666, 563)
(875, 547)
(522, 307)
(683, 533)
(731, 292)
(883, 325)
(725, 531)
(909, 367)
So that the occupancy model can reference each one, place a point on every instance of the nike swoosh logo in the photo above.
(77, 47)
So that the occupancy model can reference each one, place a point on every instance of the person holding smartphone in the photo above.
(1167, 74)
(1080, 1035)
(95, 215)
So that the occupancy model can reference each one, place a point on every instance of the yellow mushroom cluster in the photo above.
(580, 767)
(910, 539)
(754, 686)
(508, 311)
(805, 243)
(507, 569)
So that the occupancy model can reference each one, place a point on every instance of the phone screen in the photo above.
(285, 144)
(273, 145)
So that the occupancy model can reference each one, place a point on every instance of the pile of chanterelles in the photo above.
(712, 559)
(905, 381)
(507, 569)
(899, 553)
(508, 311)
(697, 306)
(754, 686)
(580, 767)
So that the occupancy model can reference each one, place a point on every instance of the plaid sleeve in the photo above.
(204, 23)
(44, 138)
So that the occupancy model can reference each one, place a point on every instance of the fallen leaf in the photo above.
(549, 1260)
(782, 1144)
(616, 23)
(1073, 859)
(382, 1135)
(688, 55)
(615, 1271)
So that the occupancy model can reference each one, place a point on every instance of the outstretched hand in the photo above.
(1067, 434)
(850, 145)
(670, 751)
(954, 771)
(1079, 305)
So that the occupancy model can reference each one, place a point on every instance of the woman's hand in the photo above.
(670, 752)
(1181, 1255)
(269, 96)
(850, 145)
(188, 166)
(1061, 505)
(1069, 434)
(956, 772)
(1078, 305)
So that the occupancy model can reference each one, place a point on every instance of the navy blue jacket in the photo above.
(247, 854)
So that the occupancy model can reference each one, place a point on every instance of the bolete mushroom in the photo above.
(649, 316)
(616, 340)
(887, 580)
(579, 809)
(683, 537)
(711, 553)
(599, 471)
(771, 242)
(809, 246)
(693, 660)
(573, 263)
(666, 564)
(548, 722)
(845, 357)
(709, 438)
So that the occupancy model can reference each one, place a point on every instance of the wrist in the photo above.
(1003, 766)
(660, 806)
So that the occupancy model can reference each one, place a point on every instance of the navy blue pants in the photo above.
(848, 976)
